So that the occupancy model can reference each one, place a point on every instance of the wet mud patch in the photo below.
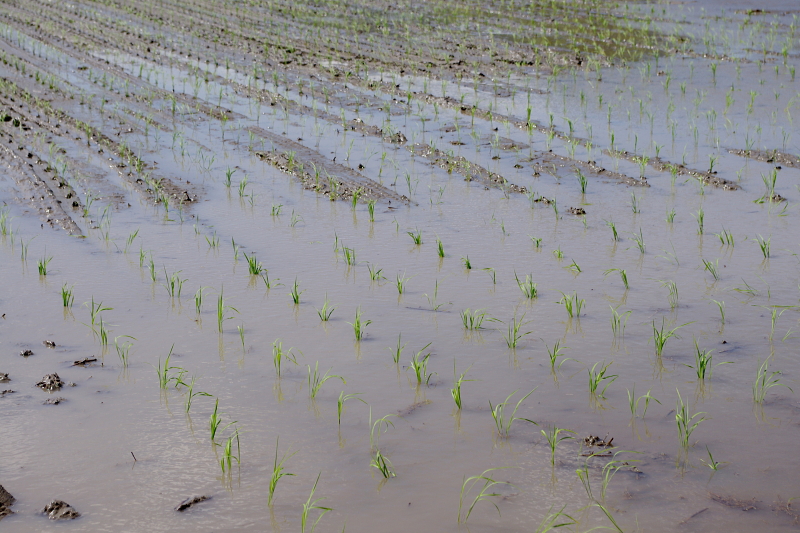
(551, 163)
(708, 178)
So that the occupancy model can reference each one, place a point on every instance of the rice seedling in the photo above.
(554, 353)
(166, 374)
(686, 422)
(41, 265)
(711, 267)
(198, 299)
(558, 253)
(152, 268)
(672, 296)
(552, 437)
(439, 247)
(270, 284)
(371, 210)
(349, 256)
(397, 351)
(670, 216)
(419, 365)
(572, 304)
(633, 402)
(400, 283)
(278, 470)
(228, 456)
(326, 311)
(377, 428)
(528, 287)
(473, 320)
(574, 267)
(416, 237)
(317, 380)
(492, 273)
(173, 283)
(432, 300)
(553, 520)
(598, 378)
(214, 421)
(296, 292)
(725, 237)
(622, 274)
(467, 263)
(359, 325)
(455, 392)
(614, 234)
(223, 310)
(67, 296)
(23, 249)
(278, 356)
(711, 463)
(375, 273)
(583, 476)
(94, 311)
(582, 181)
(484, 494)
(639, 240)
(537, 241)
(191, 394)
(611, 468)
(763, 244)
(635, 204)
(660, 337)
(213, 241)
(310, 507)
(502, 420)
(254, 266)
(240, 328)
(703, 366)
(721, 306)
(130, 240)
(765, 380)
(382, 464)
(513, 331)
(276, 210)
(700, 217)
(618, 322)
(123, 349)
(342, 399)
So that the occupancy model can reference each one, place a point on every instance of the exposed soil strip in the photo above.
(461, 165)
(769, 156)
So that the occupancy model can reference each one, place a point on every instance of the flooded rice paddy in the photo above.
(444, 266)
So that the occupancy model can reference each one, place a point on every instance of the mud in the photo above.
(60, 510)
(190, 502)
(50, 383)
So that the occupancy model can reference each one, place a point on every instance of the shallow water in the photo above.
(82, 450)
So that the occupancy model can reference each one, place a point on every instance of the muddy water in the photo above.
(125, 452)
